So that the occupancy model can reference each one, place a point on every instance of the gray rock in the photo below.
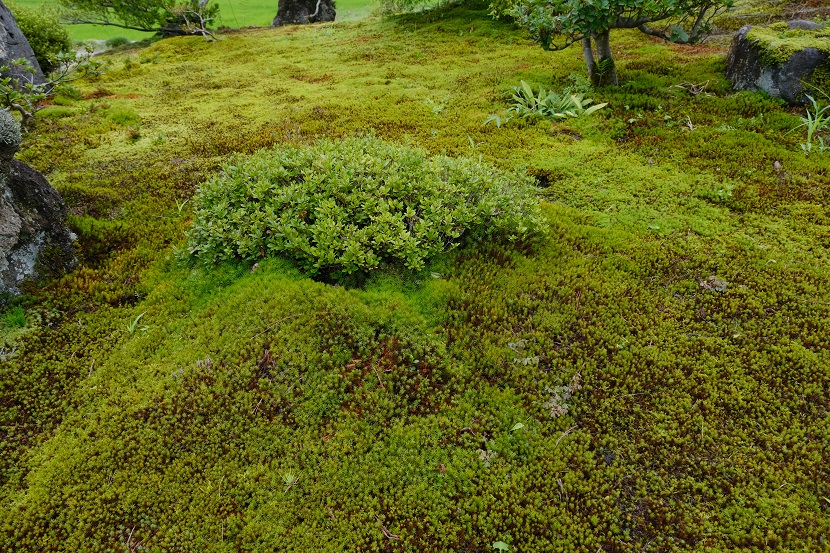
(34, 238)
(13, 45)
(292, 12)
(805, 25)
(748, 68)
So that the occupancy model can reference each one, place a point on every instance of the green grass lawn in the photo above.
(232, 13)
(664, 347)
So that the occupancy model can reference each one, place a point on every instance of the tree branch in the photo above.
(568, 41)
(107, 22)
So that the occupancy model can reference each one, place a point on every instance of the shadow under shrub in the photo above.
(350, 206)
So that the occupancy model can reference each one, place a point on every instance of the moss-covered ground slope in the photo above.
(665, 349)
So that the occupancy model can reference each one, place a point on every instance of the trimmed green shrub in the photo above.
(401, 6)
(348, 206)
(45, 34)
(117, 41)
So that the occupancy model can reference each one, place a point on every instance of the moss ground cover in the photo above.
(664, 348)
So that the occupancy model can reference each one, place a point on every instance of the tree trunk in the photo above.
(605, 71)
(588, 54)
(292, 12)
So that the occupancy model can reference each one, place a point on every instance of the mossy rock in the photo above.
(780, 59)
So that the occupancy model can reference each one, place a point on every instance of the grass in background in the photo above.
(232, 13)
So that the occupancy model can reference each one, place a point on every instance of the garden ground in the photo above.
(653, 375)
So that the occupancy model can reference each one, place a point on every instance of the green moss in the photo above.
(778, 43)
(683, 286)
(819, 83)
(751, 12)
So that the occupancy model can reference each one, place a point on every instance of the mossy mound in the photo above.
(785, 60)
(778, 42)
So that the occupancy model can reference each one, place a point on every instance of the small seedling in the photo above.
(437, 108)
(815, 121)
(133, 325)
(501, 546)
(15, 318)
(497, 120)
(289, 479)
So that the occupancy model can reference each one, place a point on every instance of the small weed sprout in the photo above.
(132, 326)
(437, 108)
(289, 478)
(486, 456)
(816, 120)
(559, 396)
(15, 318)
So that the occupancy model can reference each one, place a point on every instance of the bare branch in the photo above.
(78, 20)
(568, 41)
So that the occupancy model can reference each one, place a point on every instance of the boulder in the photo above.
(13, 45)
(34, 238)
(780, 59)
(291, 12)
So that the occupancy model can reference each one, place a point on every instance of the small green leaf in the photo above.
(527, 89)
(501, 546)
(596, 107)
(517, 426)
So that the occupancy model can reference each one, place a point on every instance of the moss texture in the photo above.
(664, 348)
(779, 43)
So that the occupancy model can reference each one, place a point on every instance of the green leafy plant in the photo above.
(132, 326)
(289, 478)
(546, 104)
(390, 7)
(6, 354)
(42, 28)
(342, 207)
(437, 107)
(15, 317)
(815, 121)
(26, 97)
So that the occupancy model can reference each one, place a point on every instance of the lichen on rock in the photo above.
(33, 231)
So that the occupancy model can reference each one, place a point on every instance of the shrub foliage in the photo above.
(347, 206)
(42, 28)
